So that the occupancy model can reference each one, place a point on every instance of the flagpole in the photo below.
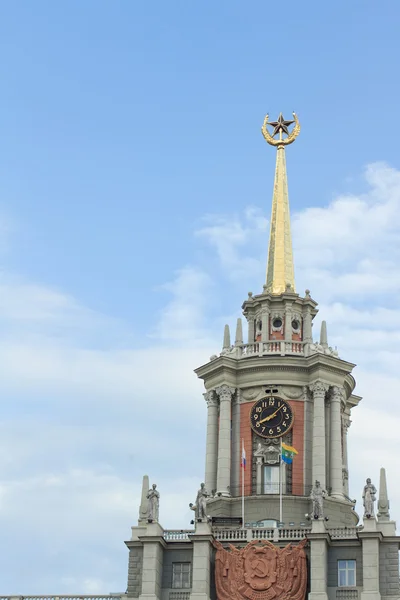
(243, 470)
(280, 486)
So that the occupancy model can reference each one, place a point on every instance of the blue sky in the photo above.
(135, 197)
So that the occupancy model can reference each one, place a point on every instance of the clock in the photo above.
(271, 417)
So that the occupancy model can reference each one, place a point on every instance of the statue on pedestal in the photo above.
(153, 497)
(369, 497)
(201, 503)
(317, 496)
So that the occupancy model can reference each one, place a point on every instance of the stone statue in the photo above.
(317, 496)
(153, 496)
(369, 496)
(201, 503)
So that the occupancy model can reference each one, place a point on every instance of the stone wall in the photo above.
(181, 555)
(135, 572)
(344, 553)
(389, 570)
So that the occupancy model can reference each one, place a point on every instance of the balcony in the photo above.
(257, 533)
(274, 348)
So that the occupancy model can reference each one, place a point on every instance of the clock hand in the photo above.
(270, 416)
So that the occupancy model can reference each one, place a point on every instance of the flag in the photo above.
(243, 463)
(288, 453)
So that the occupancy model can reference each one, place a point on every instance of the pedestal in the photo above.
(153, 546)
(202, 546)
(318, 560)
(370, 553)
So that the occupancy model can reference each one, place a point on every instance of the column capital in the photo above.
(346, 423)
(225, 392)
(337, 393)
(211, 398)
(319, 388)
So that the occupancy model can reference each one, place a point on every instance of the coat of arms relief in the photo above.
(261, 571)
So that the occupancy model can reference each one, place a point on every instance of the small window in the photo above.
(346, 573)
(271, 480)
(181, 575)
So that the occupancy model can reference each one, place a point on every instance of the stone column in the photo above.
(259, 462)
(152, 562)
(328, 443)
(202, 548)
(345, 467)
(318, 389)
(264, 330)
(211, 441)
(288, 322)
(370, 555)
(225, 394)
(251, 336)
(336, 464)
(236, 446)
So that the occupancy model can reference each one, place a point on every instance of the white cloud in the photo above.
(235, 239)
(183, 319)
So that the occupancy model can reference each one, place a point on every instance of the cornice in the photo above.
(332, 361)
(308, 365)
(353, 400)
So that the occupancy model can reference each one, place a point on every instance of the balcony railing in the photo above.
(346, 594)
(64, 597)
(179, 595)
(177, 535)
(278, 348)
(247, 535)
(343, 532)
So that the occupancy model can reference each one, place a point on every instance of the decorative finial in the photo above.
(239, 333)
(144, 501)
(227, 338)
(281, 127)
(323, 338)
(383, 501)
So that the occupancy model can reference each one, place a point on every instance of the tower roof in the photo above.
(280, 267)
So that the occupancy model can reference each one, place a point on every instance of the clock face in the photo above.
(271, 417)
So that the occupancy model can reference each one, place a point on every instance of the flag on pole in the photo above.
(288, 453)
(243, 463)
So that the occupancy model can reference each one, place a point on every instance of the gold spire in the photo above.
(280, 269)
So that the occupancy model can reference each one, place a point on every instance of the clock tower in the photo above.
(273, 519)
(277, 388)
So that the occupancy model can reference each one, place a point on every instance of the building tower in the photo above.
(280, 373)
(276, 472)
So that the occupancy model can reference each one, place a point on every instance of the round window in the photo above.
(296, 324)
(277, 323)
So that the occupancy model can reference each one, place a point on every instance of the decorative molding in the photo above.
(225, 393)
(319, 388)
(293, 392)
(277, 315)
(211, 398)
(346, 422)
(250, 393)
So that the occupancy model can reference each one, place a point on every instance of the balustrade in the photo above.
(177, 535)
(179, 595)
(343, 532)
(346, 594)
(276, 347)
(66, 597)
